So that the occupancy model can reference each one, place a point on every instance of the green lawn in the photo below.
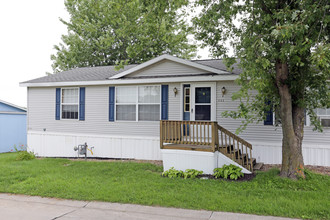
(141, 183)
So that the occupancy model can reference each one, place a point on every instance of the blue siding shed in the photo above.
(12, 127)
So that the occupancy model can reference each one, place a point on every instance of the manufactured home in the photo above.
(166, 109)
(12, 127)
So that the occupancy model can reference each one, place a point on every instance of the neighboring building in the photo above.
(12, 127)
(118, 112)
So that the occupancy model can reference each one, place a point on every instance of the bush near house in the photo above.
(141, 183)
(231, 171)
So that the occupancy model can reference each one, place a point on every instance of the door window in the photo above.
(203, 103)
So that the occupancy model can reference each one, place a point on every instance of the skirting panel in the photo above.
(204, 161)
(46, 144)
(313, 154)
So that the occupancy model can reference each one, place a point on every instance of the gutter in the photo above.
(229, 77)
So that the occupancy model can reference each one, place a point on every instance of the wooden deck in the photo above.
(205, 136)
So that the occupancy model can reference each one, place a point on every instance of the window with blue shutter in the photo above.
(82, 104)
(58, 104)
(111, 103)
(269, 115)
(164, 104)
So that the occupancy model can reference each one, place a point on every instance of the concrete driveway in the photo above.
(33, 207)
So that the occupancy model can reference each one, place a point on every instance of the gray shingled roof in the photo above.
(218, 64)
(82, 74)
(104, 72)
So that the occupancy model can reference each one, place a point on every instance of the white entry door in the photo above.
(203, 102)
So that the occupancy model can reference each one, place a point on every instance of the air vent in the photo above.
(325, 122)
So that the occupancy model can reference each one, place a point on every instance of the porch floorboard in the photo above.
(206, 148)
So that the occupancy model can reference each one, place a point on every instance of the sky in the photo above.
(29, 31)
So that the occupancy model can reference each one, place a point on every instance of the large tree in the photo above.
(108, 32)
(284, 51)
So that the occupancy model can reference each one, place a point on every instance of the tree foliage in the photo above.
(284, 51)
(296, 32)
(108, 32)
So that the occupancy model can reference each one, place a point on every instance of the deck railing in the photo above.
(206, 136)
(202, 133)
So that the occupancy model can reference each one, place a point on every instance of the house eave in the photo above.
(229, 77)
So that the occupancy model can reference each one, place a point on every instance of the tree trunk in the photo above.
(292, 118)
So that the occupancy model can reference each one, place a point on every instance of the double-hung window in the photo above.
(70, 103)
(138, 103)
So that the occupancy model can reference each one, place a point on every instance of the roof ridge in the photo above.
(206, 59)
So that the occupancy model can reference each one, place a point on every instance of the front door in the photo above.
(203, 101)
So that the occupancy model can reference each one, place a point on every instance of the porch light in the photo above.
(175, 90)
(223, 91)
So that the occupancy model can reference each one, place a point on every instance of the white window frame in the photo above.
(323, 117)
(70, 103)
(136, 103)
(184, 99)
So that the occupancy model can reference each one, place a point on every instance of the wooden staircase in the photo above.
(235, 148)
(206, 136)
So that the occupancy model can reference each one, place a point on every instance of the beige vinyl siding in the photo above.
(260, 132)
(174, 102)
(41, 107)
(166, 68)
(41, 115)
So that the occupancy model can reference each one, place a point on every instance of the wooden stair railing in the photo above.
(235, 148)
(206, 136)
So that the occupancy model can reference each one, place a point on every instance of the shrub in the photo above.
(24, 155)
(191, 173)
(171, 173)
(21, 147)
(231, 171)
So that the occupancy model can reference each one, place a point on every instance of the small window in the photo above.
(70, 103)
(186, 99)
(324, 116)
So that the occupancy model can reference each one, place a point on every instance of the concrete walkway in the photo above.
(34, 207)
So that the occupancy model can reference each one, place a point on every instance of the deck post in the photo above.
(214, 134)
(161, 134)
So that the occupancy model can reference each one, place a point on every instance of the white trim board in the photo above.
(171, 58)
(229, 77)
(13, 113)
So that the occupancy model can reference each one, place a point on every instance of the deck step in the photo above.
(249, 162)
(258, 166)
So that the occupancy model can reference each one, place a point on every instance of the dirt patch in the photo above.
(246, 177)
(317, 169)
(156, 162)
(97, 159)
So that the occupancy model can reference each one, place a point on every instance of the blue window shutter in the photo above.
(58, 104)
(111, 103)
(82, 104)
(269, 115)
(164, 102)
